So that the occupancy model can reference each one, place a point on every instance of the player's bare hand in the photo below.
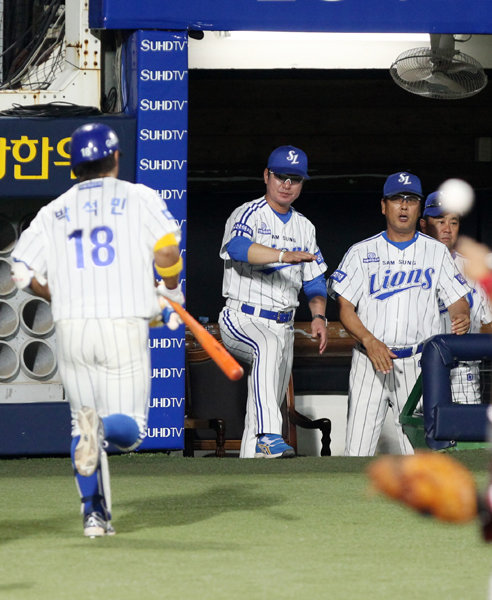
(476, 266)
(380, 355)
(295, 257)
(460, 324)
(319, 331)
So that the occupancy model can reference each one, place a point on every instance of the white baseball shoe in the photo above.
(88, 449)
(96, 526)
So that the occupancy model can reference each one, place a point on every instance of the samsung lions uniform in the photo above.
(257, 322)
(465, 379)
(95, 243)
(395, 289)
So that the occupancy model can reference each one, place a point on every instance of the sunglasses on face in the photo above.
(285, 177)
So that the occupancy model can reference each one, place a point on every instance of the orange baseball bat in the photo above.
(222, 358)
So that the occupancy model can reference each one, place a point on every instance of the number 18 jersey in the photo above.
(95, 243)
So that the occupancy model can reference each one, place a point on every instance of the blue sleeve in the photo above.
(315, 287)
(238, 248)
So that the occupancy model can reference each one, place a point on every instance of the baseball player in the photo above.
(96, 244)
(388, 288)
(444, 226)
(270, 252)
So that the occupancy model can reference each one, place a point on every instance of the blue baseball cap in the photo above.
(289, 160)
(433, 205)
(402, 183)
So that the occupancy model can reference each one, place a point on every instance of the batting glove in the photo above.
(176, 295)
(21, 275)
(168, 317)
(171, 318)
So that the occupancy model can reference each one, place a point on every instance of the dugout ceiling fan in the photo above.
(439, 72)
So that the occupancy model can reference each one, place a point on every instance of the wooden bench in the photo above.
(215, 406)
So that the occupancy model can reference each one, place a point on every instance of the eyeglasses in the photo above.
(410, 199)
(284, 178)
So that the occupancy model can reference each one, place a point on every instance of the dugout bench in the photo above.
(216, 406)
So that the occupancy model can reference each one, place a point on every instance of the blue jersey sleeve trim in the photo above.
(315, 287)
(238, 248)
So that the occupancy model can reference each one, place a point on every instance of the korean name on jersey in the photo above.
(99, 256)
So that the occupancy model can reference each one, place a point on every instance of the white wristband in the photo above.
(176, 294)
(281, 256)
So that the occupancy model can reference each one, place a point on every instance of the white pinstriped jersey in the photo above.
(480, 309)
(465, 378)
(276, 285)
(95, 243)
(395, 291)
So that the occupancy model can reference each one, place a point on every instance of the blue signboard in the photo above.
(35, 159)
(378, 16)
(158, 95)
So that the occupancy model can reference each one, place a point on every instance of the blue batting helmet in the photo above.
(92, 141)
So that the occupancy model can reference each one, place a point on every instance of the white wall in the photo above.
(335, 408)
(277, 50)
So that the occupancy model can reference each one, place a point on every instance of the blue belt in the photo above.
(279, 317)
(401, 352)
(406, 352)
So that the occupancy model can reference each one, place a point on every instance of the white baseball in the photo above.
(457, 196)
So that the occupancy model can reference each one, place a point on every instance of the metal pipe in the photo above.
(9, 362)
(37, 360)
(36, 318)
(9, 321)
(7, 286)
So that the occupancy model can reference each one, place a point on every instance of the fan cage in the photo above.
(431, 74)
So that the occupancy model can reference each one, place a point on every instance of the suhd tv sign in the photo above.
(160, 100)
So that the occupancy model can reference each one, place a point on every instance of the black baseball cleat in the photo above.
(95, 525)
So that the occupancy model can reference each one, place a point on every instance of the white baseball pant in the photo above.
(371, 393)
(105, 364)
(268, 347)
(465, 383)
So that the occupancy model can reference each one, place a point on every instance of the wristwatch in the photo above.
(320, 317)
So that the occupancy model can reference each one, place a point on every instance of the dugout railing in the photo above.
(444, 423)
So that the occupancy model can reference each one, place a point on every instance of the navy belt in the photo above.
(401, 352)
(279, 317)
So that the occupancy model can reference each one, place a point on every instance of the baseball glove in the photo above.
(429, 482)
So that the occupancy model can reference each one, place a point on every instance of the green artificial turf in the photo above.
(207, 528)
